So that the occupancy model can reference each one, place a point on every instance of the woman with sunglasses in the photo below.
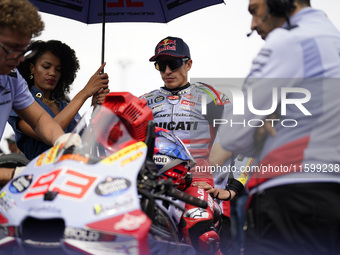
(49, 71)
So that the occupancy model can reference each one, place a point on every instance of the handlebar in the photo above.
(186, 198)
(167, 188)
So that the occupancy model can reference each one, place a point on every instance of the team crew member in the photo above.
(19, 22)
(294, 206)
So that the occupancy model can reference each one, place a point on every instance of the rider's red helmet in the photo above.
(172, 158)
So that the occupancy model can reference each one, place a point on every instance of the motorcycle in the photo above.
(101, 196)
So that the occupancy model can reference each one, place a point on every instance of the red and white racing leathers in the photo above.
(189, 113)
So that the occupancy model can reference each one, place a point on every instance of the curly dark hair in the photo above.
(68, 60)
(21, 16)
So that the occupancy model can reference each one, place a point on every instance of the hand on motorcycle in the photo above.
(17, 171)
(221, 194)
(65, 139)
(6, 174)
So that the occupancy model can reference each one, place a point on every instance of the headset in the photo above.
(280, 8)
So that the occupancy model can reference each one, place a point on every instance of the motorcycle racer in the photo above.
(188, 111)
(179, 106)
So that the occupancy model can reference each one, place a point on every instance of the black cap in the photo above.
(171, 46)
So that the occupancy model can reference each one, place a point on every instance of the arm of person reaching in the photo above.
(6, 175)
(218, 155)
(41, 122)
(96, 84)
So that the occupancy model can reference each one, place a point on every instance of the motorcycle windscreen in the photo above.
(102, 134)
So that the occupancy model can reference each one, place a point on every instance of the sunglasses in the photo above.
(173, 64)
(14, 54)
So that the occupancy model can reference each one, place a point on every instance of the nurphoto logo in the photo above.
(244, 101)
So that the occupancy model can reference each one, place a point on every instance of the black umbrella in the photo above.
(95, 11)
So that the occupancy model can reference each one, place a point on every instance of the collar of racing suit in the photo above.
(176, 91)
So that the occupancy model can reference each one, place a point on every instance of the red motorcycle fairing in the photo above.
(135, 223)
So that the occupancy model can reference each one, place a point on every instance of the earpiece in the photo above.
(280, 8)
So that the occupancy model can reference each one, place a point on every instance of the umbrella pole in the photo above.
(103, 31)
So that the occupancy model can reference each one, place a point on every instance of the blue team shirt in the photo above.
(14, 94)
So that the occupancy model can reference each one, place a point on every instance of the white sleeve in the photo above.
(280, 58)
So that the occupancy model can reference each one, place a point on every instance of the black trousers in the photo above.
(294, 219)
